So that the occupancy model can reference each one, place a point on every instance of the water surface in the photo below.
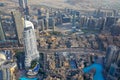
(98, 74)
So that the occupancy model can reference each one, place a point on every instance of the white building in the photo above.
(30, 44)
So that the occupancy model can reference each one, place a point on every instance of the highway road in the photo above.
(71, 50)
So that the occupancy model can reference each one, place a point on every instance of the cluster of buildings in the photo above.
(20, 28)
(59, 66)
(24, 34)
(7, 65)
(45, 19)
(112, 63)
(69, 66)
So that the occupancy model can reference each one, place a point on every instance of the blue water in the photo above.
(25, 78)
(73, 64)
(98, 74)
(36, 68)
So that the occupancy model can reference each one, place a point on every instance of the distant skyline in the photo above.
(74, 4)
(83, 4)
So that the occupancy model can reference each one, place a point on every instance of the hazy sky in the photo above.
(97, 3)
(80, 3)
(76, 4)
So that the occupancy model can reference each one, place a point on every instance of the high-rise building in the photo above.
(39, 13)
(91, 23)
(74, 19)
(42, 24)
(18, 23)
(26, 11)
(53, 24)
(109, 22)
(66, 20)
(47, 24)
(60, 17)
(113, 72)
(8, 71)
(24, 7)
(83, 21)
(7, 68)
(101, 23)
(118, 58)
(30, 44)
(47, 20)
(23, 3)
(47, 14)
(2, 36)
(110, 56)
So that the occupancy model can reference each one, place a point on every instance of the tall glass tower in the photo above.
(30, 45)
(2, 35)
(111, 53)
(18, 23)
(23, 3)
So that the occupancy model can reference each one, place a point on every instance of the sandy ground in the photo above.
(78, 4)
(74, 4)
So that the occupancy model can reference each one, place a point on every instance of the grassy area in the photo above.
(56, 33)
(33, 64)
(90, 31)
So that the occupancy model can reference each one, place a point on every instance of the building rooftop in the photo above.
(28, 24)
(2, 56)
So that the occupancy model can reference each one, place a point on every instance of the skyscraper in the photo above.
(26, 11)
(53, 24)
(47, 14)
(8, 70)
(30, 44)
(18, 23)
(83, 21)
(110, 56)
(46, 24)
(118, 58)
(42, 24)
(39, 12)
(2, 36)
(24, 6)
(47, 20)
(74, 18)
(23, 3)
